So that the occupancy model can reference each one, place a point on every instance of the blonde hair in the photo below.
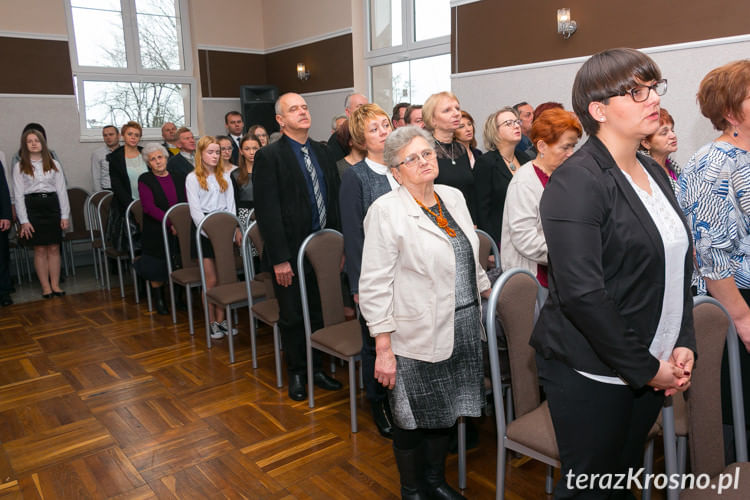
(201, 173)
(430, 105)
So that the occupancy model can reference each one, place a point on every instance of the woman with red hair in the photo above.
(661, 144)
(554, 134)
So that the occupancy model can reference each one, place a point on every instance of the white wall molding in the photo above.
(306, 41)
(457, 3)
(223, 48)
(38, 96)
(35, 36)
(578, 60)
(326, 92)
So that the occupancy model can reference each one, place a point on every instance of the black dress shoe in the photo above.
(47, 295)
(5, 300)
(323, 381)
(297, 387)
(381, 417)
(61, 293)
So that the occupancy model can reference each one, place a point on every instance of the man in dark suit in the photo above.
(184, 161)
(235, 127)
(296, 190)
(5, 218)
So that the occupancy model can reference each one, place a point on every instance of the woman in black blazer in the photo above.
(616, 333)
(495, 168)
(125, 166)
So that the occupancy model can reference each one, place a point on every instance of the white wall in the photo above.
(323, 107)
(683, 65)
(59, 116)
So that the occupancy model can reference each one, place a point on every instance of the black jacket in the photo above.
(606, 269)
(5, 203)
(491, 179)
(152, 238)
(118, 176)
(178, 164)
(282, 202)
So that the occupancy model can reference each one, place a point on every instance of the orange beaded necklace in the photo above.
(442, 222)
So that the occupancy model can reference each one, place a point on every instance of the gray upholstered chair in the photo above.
(95, 234)
(78, 198)
(108, 251)
(267, 310)
(487, 247)
(134, 213)
(323, 250)
(714, 328)
(188, 275)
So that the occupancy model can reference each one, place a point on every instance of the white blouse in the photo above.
(52, 181)
(675, 241)
(202, 201)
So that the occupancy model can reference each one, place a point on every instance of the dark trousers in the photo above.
(292, 325)
(373, 389)
(600, 428)
(5, 285)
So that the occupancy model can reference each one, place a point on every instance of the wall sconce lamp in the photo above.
(565, 26)
(302, 72)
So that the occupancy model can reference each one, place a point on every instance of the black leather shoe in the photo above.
(47, 295)
(5, 300)
(381, 418)
(61, 293)
(297, 387)
(325, 382)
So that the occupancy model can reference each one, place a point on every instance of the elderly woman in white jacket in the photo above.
(419, 291)
(555, 134)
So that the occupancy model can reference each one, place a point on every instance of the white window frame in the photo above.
(133, 72)
(408, 50)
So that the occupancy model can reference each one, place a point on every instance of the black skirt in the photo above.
(43, 210)
(206, 246)
(151, 268)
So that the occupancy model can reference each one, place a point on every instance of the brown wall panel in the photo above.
(494, 33)
(222, 73)
(329, 63)
(35, 66)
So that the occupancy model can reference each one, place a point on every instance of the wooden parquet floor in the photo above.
(101, 399)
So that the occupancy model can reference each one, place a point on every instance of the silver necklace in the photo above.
(510, 164)
(445, 152)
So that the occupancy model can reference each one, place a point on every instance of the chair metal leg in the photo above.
(500, 473)
(277, 353)
(206, 320)
(171, 299)
(670, 451)
(361, 379)
(28, 264)
(106, 273)
(189, 298)
(253, 353)
(352, 394)
(64, 258)
(148, 295)
(96, 266)
(135, 284)
(681, 454)
(549, 480)
(461, 453)
(119, 277)
(648, 466)
(310, 385)
(72, 258)
(229, 333)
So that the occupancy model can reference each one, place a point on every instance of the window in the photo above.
(408, 50)
(129, 61)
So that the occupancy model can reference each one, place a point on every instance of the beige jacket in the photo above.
(522, 243)
(408, 279)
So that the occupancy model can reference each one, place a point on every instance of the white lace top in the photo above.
(675, 242)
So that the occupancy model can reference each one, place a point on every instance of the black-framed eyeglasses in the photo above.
(411, 160)
(641, 92)
(510, 123)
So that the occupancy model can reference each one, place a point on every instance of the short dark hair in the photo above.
(397, 108)
(409, 110)
(110, 126)
(522, 103)
(231, 113)
(607, 74)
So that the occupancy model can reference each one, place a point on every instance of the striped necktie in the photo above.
(316, 186)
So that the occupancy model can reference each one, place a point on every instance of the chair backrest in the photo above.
(516, 301)
(247, 261)
(487, 247)
(256, 237)
(179, 216)
(92, 209)
(712, 329)
(133, 212)
(219, 228)
(102, 215)
(77, 198)
(324, 250)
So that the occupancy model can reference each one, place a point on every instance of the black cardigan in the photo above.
(606, 263)
(118, 175)
(153, 241)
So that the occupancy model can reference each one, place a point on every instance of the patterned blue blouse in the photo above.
(714, 193)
